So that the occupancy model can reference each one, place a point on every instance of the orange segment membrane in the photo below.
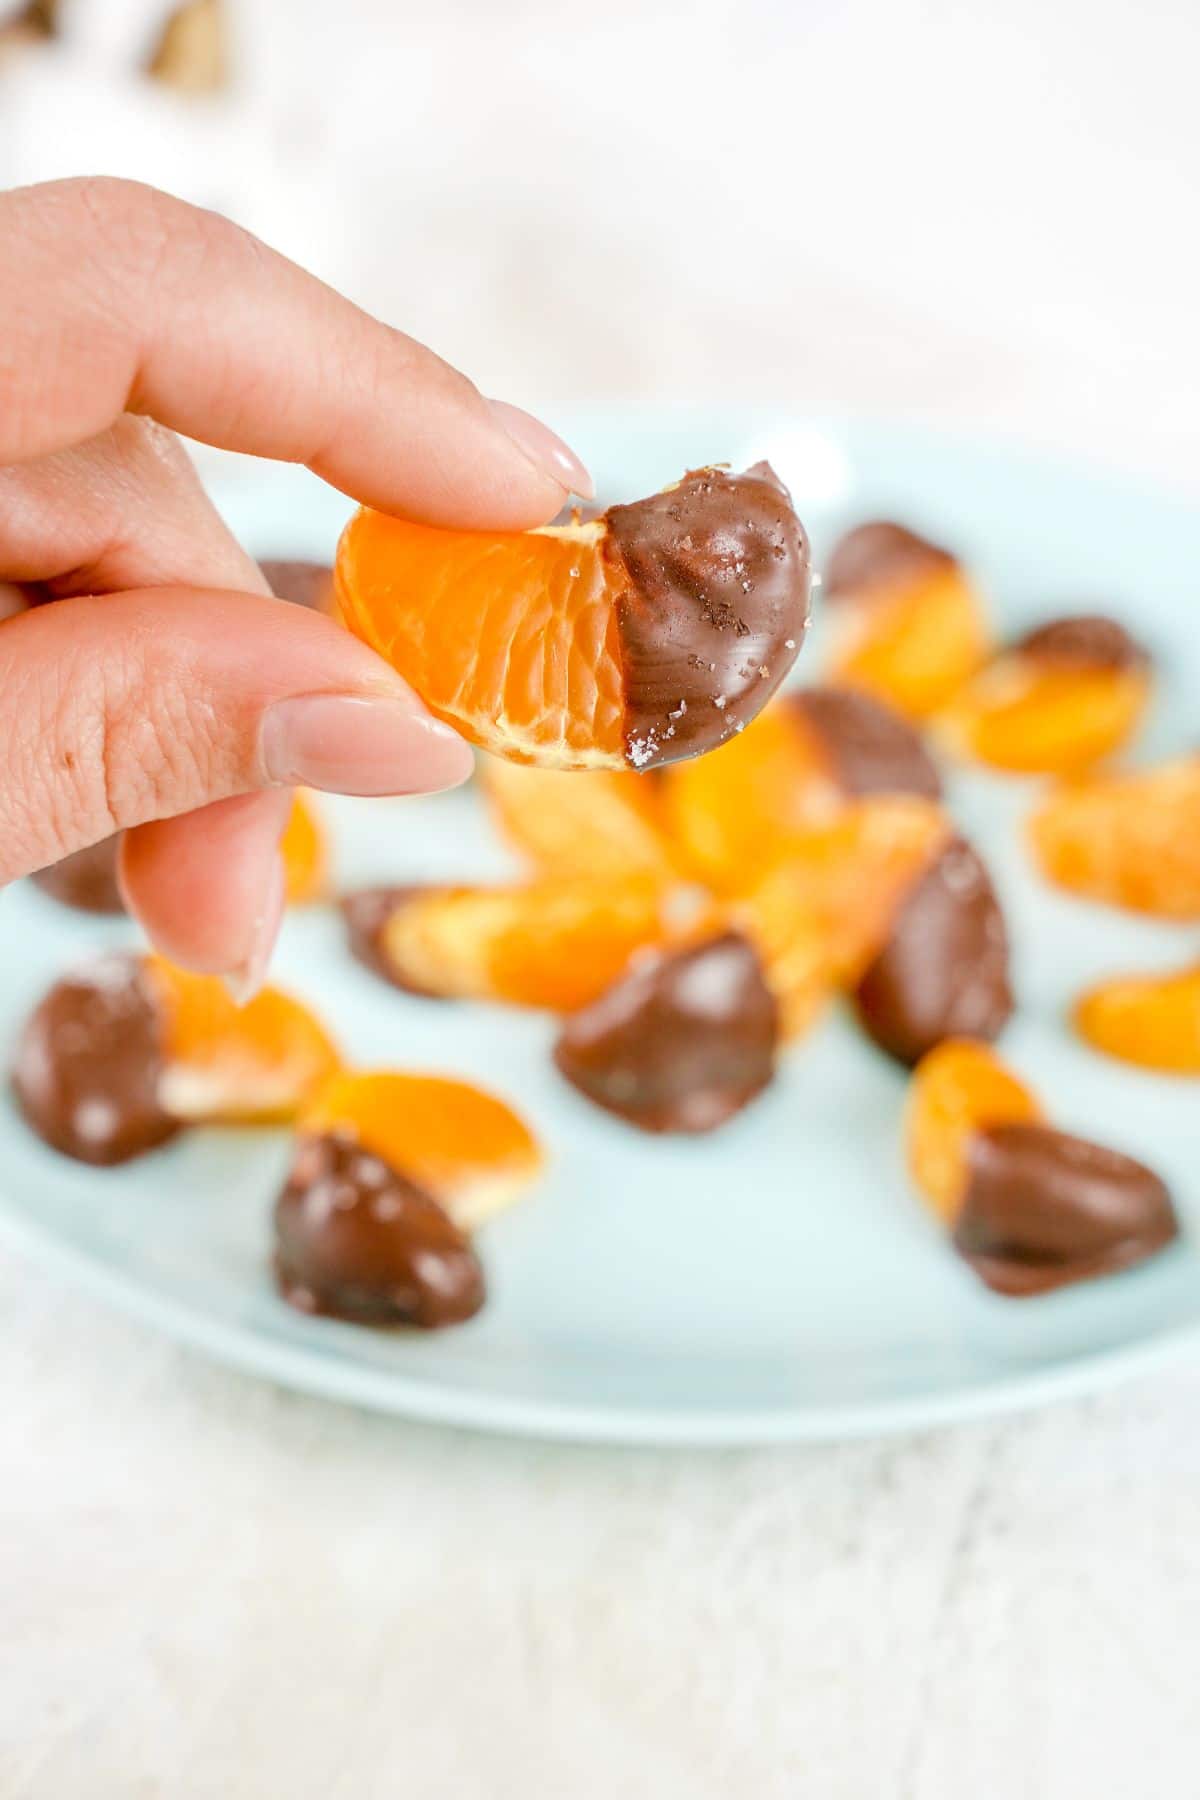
(1030, 716)
(911, 644)
(227, 1064)
(957, 1090)
(603, 824)
(462, 1145)
(1130, 840)
(1150, 1020)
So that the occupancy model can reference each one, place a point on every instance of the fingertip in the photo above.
(548, 453)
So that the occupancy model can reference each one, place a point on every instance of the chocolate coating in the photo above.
(87, 880)
(681, 1043)
(713, 612)
(944, 970)
(89, 1064)
(303, 583)
(1088, 640)
(871, 749)
(366, 913)
(1043, 1209)
(879, 555)
(355, 1239)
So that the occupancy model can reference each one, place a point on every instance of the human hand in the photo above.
(166, 693)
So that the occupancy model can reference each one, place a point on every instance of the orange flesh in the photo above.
(729, 811)
(555, 943)
(1030, 716)
(511, 637)
(603, 824)
(959, 1088)
(237, 1065)
(1130, 840)
(468, 1149)
(1150, 1020)
(913, 646)
(305, 854)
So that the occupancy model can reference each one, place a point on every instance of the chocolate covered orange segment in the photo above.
(1031, 1208)
(229, 1064)
(1150, 1020)
(1130, 840)
(457, 1143)
(553, 943)
(1070, 693)
(907, 623)
(807, 758)
(602, 823)
(86, 881)
(650, 633)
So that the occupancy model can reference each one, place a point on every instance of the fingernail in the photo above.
(246, 980)
(544, 449)
(360, 744)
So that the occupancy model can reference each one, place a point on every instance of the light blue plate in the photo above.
(777, 1281)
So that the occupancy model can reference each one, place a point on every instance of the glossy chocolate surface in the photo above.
(1043, 1209)
(1089, 641)
(944, 970)
(713, 610)
(87, 880)
(366, 913)
(870, 748)
(89, 1064)
(355, 1239)
(303, 583)
(681, 1043)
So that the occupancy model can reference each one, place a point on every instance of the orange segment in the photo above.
(1151, 1020)
(602, 824)
(463, 1146)
(1030, 716)
(912, 645)
(728, 811)
(847, 881)
(556, 943)
(958, 1089)
(305, 853)
(793, 946)
(236, 1065)
(1130, 840)
(509, 636)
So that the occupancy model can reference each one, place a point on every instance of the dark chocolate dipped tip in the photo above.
(307, 584)
(878, 555)
(1089, 640)
(89, 1064)
(680, 1043)
(355, 1239)
(712, 610)
(366, 913)
(870, 748)
(86, 880)
(944, 970)
(1043, 1209)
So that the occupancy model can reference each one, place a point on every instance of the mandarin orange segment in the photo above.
(792, 942)
(1150, 1020)
(1029, 716)
(236, 1065)
(466, 1148)
(305, 851)
(913, 644)
(1130, 840)
(847, 880)
(958, 1089)
(555, 943)
(653, 632)
(604, 824)
(729, 811)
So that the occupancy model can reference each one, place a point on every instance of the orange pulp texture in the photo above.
(1131, 840)
(465, 1147)
(1031, 716)
(604, 824)
(511, 637)
(912, 645)
(1151, 1020)
(957, 1089)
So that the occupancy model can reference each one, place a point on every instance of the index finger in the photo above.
(115, 298)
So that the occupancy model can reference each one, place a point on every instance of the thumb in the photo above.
(146, 704)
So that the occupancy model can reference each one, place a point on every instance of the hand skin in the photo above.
(165, 692)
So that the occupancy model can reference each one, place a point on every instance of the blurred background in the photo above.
(947, 209)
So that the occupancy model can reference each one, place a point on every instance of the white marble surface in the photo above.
(213, 1588)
